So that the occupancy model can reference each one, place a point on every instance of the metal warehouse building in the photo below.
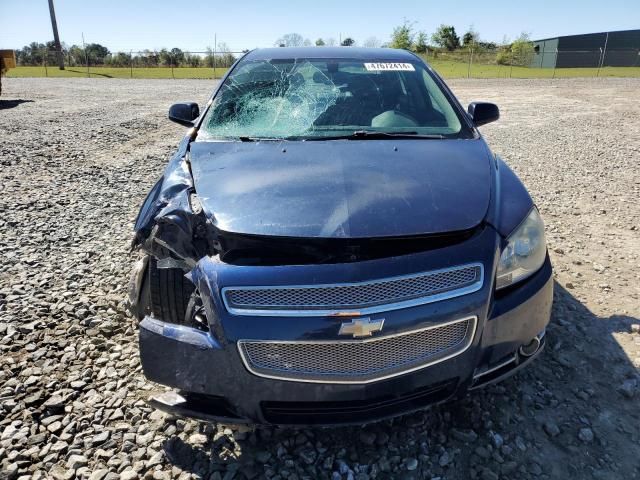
(605, 49)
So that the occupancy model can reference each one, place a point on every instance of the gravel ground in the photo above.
(77, 157)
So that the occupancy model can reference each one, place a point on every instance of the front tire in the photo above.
(169, 292)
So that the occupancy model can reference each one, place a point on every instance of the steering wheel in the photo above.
(406, 116)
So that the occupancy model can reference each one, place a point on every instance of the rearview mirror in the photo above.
(483, 112)
(184, 113)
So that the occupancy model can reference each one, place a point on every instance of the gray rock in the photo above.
(60, 473)
(9, 472)
(308, 455)
(78, 384)
(489, 475)
(99, 474)
(144, 440)
(76, 461)
(100, 438)
(411, 464)
(196, 439)
(467, 436)
(27, 328)
(535, 469)
(482, 452)
(33, 398)
(551, 428)
(37, 438)
(156, 459)
(507, 468)
(55, 427)
(128, 475)
(496, 440)
(54, 402)
(520, 444)
(586, 435)
(629, 388)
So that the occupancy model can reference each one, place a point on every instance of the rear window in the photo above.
(310, 98)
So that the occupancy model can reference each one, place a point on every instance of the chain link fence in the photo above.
(210, 64)
(207, 64)
(506, 63)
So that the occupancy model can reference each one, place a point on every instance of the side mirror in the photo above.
(184, 113)
(482, 112)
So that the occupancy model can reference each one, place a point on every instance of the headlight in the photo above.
(525, 251)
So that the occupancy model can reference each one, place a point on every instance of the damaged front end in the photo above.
(174, 233)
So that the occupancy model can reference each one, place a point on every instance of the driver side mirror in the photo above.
(483, 112)
(184, 113)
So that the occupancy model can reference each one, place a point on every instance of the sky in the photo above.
(193, 25)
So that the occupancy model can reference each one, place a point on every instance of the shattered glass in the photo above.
(316, 98)
(283, 100)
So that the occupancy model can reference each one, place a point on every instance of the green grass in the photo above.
(447, 68)
(117, 72)
(451, 69)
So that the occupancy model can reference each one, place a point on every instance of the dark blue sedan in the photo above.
(334, 242)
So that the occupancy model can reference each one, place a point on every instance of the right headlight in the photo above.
(525, 251)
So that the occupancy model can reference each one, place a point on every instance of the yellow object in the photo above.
(8, 59)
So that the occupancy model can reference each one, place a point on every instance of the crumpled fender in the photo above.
(167, 222)
(176, 178)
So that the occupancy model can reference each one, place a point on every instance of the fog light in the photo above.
(530, 348)
(196, 316)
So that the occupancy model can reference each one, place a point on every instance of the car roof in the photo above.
(373, 54)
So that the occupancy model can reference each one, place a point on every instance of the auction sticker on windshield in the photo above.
(376, 67)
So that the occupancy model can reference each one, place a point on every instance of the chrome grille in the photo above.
(364, 297)
(357, 361)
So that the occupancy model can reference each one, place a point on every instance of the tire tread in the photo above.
(170, 292)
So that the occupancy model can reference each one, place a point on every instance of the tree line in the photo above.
(443, 42)
(95, 54)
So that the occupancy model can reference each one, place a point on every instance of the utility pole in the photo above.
(86, 55)
(56, 38)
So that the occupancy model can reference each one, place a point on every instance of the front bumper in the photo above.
(214, 384)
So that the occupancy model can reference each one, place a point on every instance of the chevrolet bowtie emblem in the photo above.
(361, 327)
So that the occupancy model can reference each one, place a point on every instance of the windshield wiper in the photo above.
(356, 135)
(260, 139)
(373, 135)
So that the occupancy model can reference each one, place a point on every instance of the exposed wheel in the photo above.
(139, 304)
(169, 292)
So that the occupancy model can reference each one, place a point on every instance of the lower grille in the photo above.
(352, 412)
(357, 361)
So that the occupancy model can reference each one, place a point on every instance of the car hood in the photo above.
(343, 188)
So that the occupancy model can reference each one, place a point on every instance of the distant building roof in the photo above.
(590, 33)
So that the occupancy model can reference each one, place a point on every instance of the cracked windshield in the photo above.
(315, 99)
